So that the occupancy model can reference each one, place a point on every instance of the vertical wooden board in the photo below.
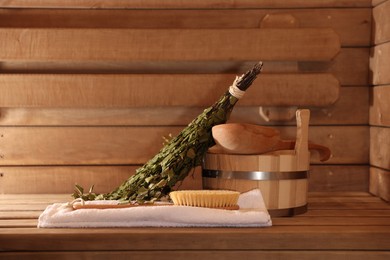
(167, 44)
(61, 179)
(381, 23)
(380, 183)
(332, 178)
(380, 106)
(380, 64)
(380, 147)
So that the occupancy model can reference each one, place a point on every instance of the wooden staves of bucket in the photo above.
(280, 173)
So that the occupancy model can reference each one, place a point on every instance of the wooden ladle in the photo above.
(242, 138)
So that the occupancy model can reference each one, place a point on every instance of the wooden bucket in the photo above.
(282, 176)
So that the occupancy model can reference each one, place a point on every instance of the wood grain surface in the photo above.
(167, 44)
(203, 4)
(162, 90)
(135, 145)
(360, 219)
(352, 25)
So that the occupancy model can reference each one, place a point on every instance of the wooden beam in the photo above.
(379, 147)
(95, 91)
(333, 178)
(167, 44)
(380, 183)
(62, 179)
(350, 67)
(288, 237)
(381, 23)
(202, 4)
(353, 25)
(136, 145)
(380, 64)
(336, 114)
(380, 106)
(105, 178)
(203, 254)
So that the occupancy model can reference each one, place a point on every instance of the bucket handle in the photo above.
(302, 143)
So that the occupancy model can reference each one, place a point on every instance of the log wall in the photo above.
(89, 88)
(380, 102)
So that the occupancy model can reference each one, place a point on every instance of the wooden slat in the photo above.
(288, 237)
(48, 198)
(381, 23)
(297, 221)
(162, 90)
(380, 106)
(201, 254)
(61, 179)
(380, 147)
(338, 222)
(20, 214)
(336, 114)
(380, 183)
(19, 223)
(335, 197)
(26, 206)
(379, 205)
(79, 145)
(203, 4)
(352, 25)
(380, 64)
(315, 194)
(135, 145)
(338, 178)
(350, 67)
(348, 144)
(157, 44)
(348, 213)
(307, 221)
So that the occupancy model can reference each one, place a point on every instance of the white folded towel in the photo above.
(252, 213)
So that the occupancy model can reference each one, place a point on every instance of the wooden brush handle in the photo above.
(114, 206)
(127, 205)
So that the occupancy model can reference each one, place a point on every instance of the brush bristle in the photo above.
(205, 198)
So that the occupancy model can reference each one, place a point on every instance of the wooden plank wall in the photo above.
(380, 102)
(89, 110)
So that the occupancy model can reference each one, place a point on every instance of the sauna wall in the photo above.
(380, 101)
(61, 124)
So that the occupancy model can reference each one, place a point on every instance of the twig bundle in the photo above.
(174, 161)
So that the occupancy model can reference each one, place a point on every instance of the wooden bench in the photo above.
(352, 225)
(92, 115)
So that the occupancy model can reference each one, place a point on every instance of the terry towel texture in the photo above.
(252, 213)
